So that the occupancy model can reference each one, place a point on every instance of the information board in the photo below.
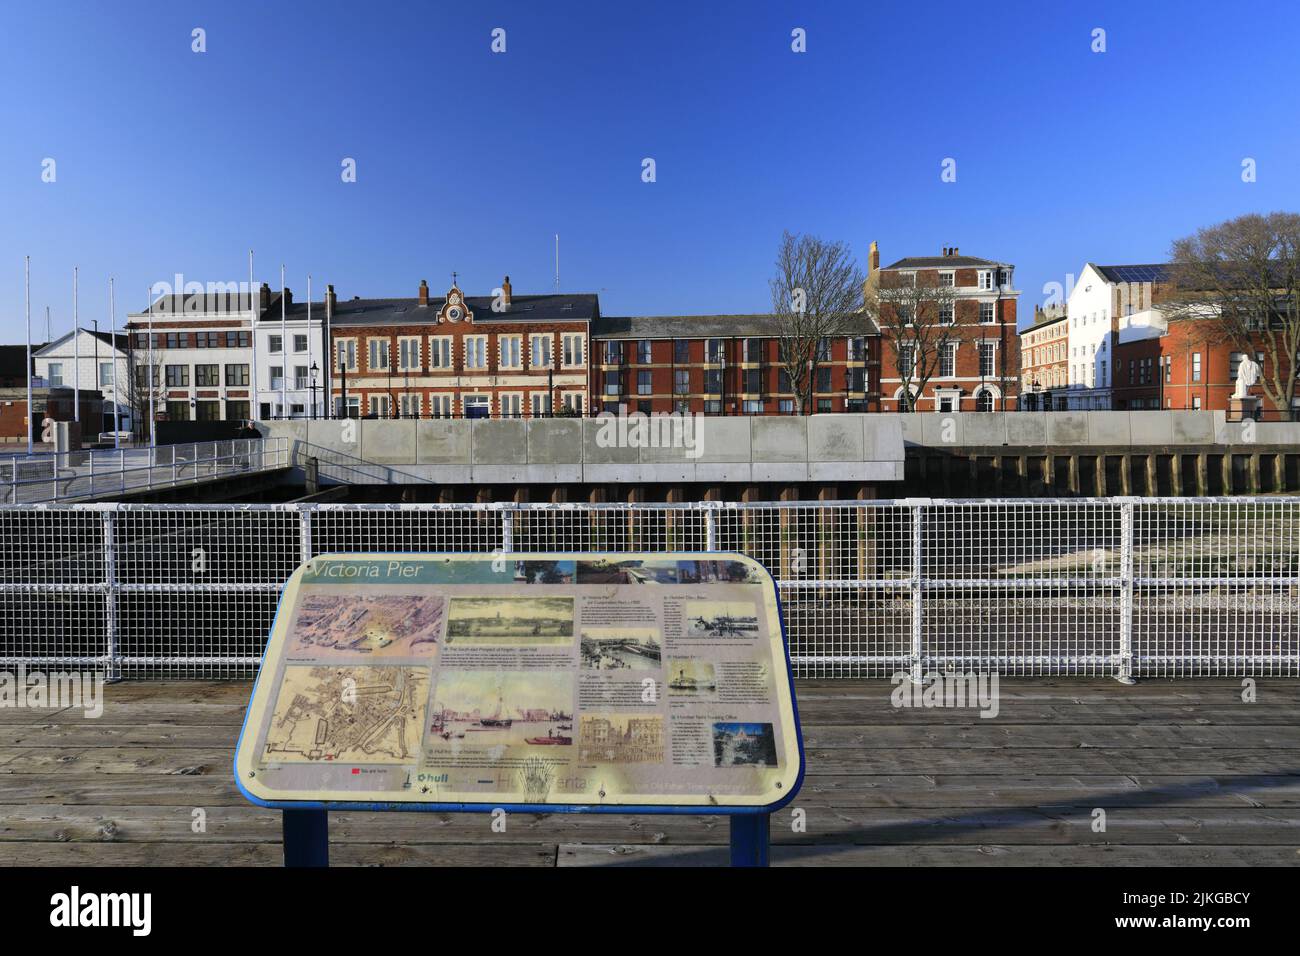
(524, 679)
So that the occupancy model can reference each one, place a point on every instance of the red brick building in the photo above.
(1044, 361)
(461, 356)
(725, 365)
(980, 370)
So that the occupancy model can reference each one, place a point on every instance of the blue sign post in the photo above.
(525, 683)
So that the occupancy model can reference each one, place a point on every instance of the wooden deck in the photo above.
(1188, 775)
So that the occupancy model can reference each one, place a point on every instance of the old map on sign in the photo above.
(370, 714)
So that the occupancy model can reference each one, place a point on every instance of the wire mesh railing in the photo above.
(1172, 587)
(95, 472)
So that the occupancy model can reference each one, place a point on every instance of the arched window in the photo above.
(983, 400)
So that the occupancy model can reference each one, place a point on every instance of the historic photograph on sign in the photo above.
(622, 738)
(524, 621)
(353, 621)
(544, 572)
(620, 648)
(691, 678)
(503, 708)
(721, 619)
(742, 745)
(351, 714)
(717, 572)
(627, 572)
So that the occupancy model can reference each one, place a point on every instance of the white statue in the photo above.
(1247, 375)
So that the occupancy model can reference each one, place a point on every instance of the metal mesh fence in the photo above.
(1145, 587)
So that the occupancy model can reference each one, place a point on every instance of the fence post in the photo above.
(1125, 674)
(304, 533)
(918, 512)
(91, 456)
(14, 477)
(110, 597)
(710, 528)
(507, 529)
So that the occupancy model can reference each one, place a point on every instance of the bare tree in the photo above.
(917, 319)
(143, 395)
(1240, 280)
(816, 294)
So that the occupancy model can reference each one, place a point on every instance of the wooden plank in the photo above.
(981, 855)
(269, 854)
(94, 733)
(999, 735)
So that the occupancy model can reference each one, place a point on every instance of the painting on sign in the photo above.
(743, 745)
(503, 708)
(620, 648)
(524, 621)
(721, 619)
(357, 622)
(691, 678)
(622, 738)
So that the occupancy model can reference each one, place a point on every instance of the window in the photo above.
(345, 355)
(946, 279)
(408, 404)
(613, 352)
(783, 381)
(572, 350)
(987, 352)
(945, 402)
(56, 374)
(948, 360)
(440, 352)
(905, 360)
(379, 406)
(277, 377)
(349, 409)
(541, 404)
(1196, 402)
(300, 379)
(239, 340)
(274, 344)
(855, 380)
(753, 350)
(1196, 366)
(573, 402)
(296, 410)
(236, 374)
(986, 279)
(643, 383)
(178, 376)
(475, 351)
(946, 314)
(207, 375)
(539, 351)
(300, 343)
(512, 347)
(378, 355)
(753, 381)
(713, 351)
(440, 406)
(823, 350)
(1234, 364)
(713, 407)
(207, 411)
(986, 312)
(857, 348)
(681, 351)
(643, 352)
(613, 383)
(213, 340)
(904, 311)
(237, 411)
(753, 406)
(786, 406)
(824, 380)
(713, 381)
(174, 340)
(681, 382)
(105, 374)
(983, 400)
(408, 354)
(178, 411)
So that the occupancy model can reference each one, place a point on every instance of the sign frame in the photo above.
(305, 821)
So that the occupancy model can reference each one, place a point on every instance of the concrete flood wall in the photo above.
(745, 450)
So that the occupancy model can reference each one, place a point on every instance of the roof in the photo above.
(13, 363)
(201, 303)
(120, 339)
(1150, 272)
(944, 262)
(704, 326)
(555, 307)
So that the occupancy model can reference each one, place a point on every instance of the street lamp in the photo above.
(314, 369)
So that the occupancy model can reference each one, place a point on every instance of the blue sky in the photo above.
(171, 161)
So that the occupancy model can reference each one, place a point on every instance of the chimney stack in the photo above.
(873, 258)
(505, 292)
(956, 251)
(263, 298)
(424, 294)
(331, 300)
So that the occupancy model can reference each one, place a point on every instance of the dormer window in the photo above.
(986, 279)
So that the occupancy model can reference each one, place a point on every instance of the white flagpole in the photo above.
(149, 386)
(76, 351)
(112, 338)
(253, 412)
(312, 399)
(284, 352)
(27, 285)
(328, 394)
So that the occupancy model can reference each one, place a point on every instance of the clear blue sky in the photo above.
(170, 161)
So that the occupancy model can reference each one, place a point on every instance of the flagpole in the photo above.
(312, 392)
(153, 414)
(253, 411)
(112, 338)
(76, 351)
(27, 284)
(284, 351)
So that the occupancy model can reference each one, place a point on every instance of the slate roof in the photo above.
(555, 307)
(704, 326)
(945, 262)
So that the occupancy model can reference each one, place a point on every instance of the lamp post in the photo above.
(314, 369)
